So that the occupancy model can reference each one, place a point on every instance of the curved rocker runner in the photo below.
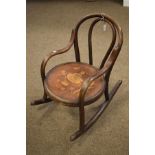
(77, 84)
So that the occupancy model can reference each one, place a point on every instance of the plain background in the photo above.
(13, 77)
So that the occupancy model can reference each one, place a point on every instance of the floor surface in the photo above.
(49, 126)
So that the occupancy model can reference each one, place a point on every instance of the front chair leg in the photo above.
(81, 124)
(85, 126)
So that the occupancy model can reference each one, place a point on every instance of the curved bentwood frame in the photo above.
(105, 69)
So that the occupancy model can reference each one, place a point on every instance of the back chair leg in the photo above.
(85, 126)
(43, 100)
(106, 93)
(40, 101)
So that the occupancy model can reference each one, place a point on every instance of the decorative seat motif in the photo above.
(78, 84)
(68, 79)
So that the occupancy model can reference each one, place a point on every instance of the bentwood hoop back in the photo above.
(77, 84)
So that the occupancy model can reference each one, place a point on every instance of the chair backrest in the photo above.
(115, 45)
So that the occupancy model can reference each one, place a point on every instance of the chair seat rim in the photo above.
(67, 102)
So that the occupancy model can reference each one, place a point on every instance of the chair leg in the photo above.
(106, 93)
(81, 124)
(94, 118)
(82, 117)
(43, 100)
(40, 101)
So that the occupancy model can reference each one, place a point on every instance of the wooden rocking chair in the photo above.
(78, 84)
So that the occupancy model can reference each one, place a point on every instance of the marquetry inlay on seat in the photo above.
(77, 84)
(64, 81)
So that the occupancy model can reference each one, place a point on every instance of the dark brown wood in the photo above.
(115, 28)
(90, 40)
(48, 57)
(88, 82)
(96, 116)
(41, 101)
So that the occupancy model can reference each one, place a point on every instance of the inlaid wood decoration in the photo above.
(68, 79)
(78, 84)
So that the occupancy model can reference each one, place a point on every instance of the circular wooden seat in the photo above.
(64, 82)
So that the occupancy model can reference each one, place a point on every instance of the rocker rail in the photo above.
(96, 116)
(105, 68)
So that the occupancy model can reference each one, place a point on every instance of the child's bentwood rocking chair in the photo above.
(77, 84)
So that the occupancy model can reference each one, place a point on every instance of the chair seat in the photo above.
(64, 82)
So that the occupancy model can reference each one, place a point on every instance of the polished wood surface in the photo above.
(64, 82)
(77, 84)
